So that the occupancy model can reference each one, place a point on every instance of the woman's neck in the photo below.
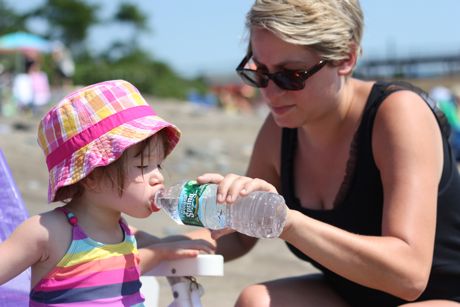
(340, 120)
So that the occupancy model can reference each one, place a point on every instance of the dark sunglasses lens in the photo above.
(289, 80)
(253, 78)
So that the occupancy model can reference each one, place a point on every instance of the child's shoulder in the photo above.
(42, 225)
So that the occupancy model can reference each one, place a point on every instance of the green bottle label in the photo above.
(189, 203)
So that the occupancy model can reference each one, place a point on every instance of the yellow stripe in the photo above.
(67, 121)
(98, 253)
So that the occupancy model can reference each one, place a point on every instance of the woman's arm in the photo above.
(263, 164)
(407, 147)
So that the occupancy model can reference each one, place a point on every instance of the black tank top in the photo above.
(359, 203)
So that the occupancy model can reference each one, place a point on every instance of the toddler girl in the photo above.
(103, 145)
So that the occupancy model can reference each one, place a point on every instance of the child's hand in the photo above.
(153, 254)
(182, 249)
(231, 186)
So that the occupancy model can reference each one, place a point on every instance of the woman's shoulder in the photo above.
(401, 90)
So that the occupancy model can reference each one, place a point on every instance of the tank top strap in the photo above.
(288, 149)
(124, 226)
(382, 89)
(71, 218)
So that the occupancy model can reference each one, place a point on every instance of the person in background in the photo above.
(364, 166)
(64, 65)
(31, 89)
(104, 146)
(22, 89)
(40, 87)
(446, 101)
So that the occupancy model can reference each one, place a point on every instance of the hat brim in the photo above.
(108, 148)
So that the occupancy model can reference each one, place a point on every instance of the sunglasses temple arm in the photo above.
(244, 61)
(314, 69)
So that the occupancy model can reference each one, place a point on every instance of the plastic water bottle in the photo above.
(258, 214)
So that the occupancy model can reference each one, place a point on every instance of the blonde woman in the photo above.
(365, 167)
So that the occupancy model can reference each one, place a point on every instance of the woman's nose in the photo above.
(272, 91)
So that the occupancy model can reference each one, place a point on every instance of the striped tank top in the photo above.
(92, 273)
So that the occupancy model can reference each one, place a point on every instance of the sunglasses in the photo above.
(290, 80)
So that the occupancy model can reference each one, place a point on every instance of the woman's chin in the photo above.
(285, 122)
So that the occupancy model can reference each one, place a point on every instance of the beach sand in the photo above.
(212, 141)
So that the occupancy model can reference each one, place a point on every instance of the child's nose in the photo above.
(156, 178)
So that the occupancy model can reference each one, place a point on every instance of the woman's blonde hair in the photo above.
(333, 28)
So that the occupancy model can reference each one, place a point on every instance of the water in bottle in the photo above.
(258, 214)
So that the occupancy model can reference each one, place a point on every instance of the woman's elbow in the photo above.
(413, 286)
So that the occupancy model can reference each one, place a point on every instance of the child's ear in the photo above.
(91, 181)
(346, 66)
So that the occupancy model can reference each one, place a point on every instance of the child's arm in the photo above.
(153, 254)
(22, 249)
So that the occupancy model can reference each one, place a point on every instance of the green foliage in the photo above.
(69, 22)
(9, 20)
(149, 76)
(131, 14)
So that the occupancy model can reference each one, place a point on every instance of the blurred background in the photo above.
(188, 50)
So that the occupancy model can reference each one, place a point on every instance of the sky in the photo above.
(208, 36)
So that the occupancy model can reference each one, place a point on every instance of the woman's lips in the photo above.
(281, 110)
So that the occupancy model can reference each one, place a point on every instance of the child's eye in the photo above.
(146, 166)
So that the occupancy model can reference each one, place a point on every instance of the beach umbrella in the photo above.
(23, 41)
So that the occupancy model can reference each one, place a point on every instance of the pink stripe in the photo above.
(93, 132)
(93, 279)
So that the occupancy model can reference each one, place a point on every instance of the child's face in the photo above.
(142, 180)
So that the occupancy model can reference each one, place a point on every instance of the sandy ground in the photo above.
(213, 141)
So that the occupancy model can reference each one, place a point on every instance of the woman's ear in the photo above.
(346, 66)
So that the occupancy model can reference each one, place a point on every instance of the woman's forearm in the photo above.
(385, 263)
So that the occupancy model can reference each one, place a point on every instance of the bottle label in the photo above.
(189, 203)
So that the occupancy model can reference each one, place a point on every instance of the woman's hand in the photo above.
(231, 186)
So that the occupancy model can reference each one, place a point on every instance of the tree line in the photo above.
(69, 22)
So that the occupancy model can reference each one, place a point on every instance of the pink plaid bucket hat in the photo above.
(92, 127)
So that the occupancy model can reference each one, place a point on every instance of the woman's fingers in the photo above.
(231, 186)
(259, 185)
(209, 178)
